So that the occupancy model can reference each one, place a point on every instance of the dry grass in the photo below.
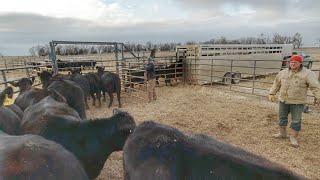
(243, 120)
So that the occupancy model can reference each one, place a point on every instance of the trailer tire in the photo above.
(236, 78)
(227, 78)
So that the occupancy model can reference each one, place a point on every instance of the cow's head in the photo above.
(100, 70)
(7, 91)
(24, 84)
(124, 126)
(45, 77)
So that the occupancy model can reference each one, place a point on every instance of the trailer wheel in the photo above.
(236, 77)
(227, 78)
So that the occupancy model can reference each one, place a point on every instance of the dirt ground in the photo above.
(243, 120)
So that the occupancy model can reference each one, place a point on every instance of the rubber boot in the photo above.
(294, 138)
(282, 133)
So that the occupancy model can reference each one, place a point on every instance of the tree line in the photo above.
(43, 50)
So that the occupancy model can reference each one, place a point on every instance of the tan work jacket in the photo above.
(293, 86)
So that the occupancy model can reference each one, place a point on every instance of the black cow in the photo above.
(30, 97)
(45, 77)
(16, 109)
(33, 157)
(90, 141)
(135, 77)
(69, 89)
(110, 83)
(24, 84)
(83, 82)
(95, 89)
(9, 119)
(8, 91)
(172, 71)
(156, 151)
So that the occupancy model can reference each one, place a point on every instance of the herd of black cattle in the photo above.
(45, 134)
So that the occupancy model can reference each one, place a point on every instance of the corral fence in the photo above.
(244, 76)
(13, 68)
(127, 64)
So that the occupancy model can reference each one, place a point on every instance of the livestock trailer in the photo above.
(228, 63)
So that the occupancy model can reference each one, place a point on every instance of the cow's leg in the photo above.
(86, 102)
(111, 99)
(157, 81)
(99, 97)
(93, 99)
(167, 81)
(119, 98)
(104, 96)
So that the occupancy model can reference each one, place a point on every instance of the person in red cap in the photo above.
(292, 84)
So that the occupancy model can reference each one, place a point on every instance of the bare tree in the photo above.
(100, 49)
(222, 40)
(149, 45)
(297, 40)
(318, 42)
(261, 39)
(42, 50)
(211, 41)
(190, 42)
(33, 51)
(58, 50)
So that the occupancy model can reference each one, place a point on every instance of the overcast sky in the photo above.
(26, 23)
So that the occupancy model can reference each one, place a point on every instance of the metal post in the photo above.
(5, 63)
(122, 54)
(254, 76)
(52, 56)
(27, 69)
(4, 78)
(129, 78)
(117, 57)
(231, 70)
(211, 71)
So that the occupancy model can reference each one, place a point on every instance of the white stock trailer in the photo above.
(229, 63)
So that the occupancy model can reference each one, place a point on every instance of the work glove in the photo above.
(272, 98)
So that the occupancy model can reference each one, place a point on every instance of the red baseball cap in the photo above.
(297, 58)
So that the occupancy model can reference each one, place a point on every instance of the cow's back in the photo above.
(93, 80)
(82, 82)
(151, 154)
(156, 151)
(33, 157)
(73, 94)
(110, 82)
(48, 113)
(9, 121)
(30, 97)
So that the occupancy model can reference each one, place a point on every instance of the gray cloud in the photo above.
(19, 32)
(271, 10)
